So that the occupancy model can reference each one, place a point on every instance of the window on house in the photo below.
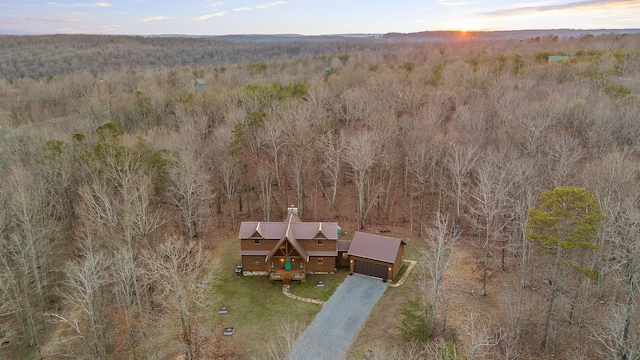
(345, 255)
(320, 261)
(256, 261)
(320, 241)
(256, 241)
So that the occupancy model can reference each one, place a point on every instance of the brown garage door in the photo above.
(367, 268)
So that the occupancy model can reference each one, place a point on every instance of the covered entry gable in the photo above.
(289, 238)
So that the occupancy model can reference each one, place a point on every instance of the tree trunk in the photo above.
(554, 282)
(484, 272)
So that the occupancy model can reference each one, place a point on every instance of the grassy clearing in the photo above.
(257, 307)
(380, 332)
(309, 289)
(403, 269)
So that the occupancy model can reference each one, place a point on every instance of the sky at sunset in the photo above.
(206, 17)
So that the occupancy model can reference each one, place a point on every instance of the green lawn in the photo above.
(309, 289)
(257, 307)
(403, 269)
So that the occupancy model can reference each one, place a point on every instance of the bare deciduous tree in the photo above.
(479, 338)
(361, 155)
(619, 343)
(332, 151)
(84, 293)
(229, 173)
(288, 332)
(625, 238)
(437, 257)
(27, 245)
(191, 192)
(422, 159)
(565, 152)
(491, 193)
(300, 127)
(176, 268)
(460, 161)
(264, 173)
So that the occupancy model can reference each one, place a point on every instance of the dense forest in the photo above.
(121, 158)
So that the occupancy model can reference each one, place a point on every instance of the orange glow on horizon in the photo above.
(465, 26)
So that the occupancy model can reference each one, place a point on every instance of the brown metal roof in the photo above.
(266, 230)
(310, 230)
(301, 230)
(343, 245)
(293, 217)
(247, 228)
(254, 252)
(375, 247)
(291, 238)
(323, 253)
(290, 230)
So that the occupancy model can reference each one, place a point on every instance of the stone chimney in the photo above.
(292, 210)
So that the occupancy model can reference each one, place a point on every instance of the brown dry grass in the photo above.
(381, 331)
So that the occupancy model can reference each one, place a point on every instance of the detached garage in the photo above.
(376, 255)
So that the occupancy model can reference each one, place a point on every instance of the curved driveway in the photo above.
(331, 332)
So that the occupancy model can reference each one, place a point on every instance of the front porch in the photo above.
(286, 276)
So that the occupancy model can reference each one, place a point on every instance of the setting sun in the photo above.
(466, 25)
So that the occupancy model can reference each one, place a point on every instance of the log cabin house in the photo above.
(289, 250)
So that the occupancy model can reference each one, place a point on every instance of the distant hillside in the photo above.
(423, 35)
(498, 35)
(279, 37)
(54, 55)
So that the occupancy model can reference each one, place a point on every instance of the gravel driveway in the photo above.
(331, 332)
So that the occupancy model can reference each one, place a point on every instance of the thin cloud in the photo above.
(155, 18)
(589, 5)
(69, 31)
(209, 16)
(73, 18)
(94, 4)
(458, 3)
(214, 4)
(110, 28)
(264, 6)
(246, 8)
(531, 4)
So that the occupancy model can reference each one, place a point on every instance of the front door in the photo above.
(287, 264)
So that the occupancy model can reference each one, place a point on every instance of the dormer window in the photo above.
(320, 242)
(256, 241)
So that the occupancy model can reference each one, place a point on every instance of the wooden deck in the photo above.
(286, 276)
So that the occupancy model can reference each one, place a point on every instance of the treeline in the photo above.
(111, 183)
(56, 55)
